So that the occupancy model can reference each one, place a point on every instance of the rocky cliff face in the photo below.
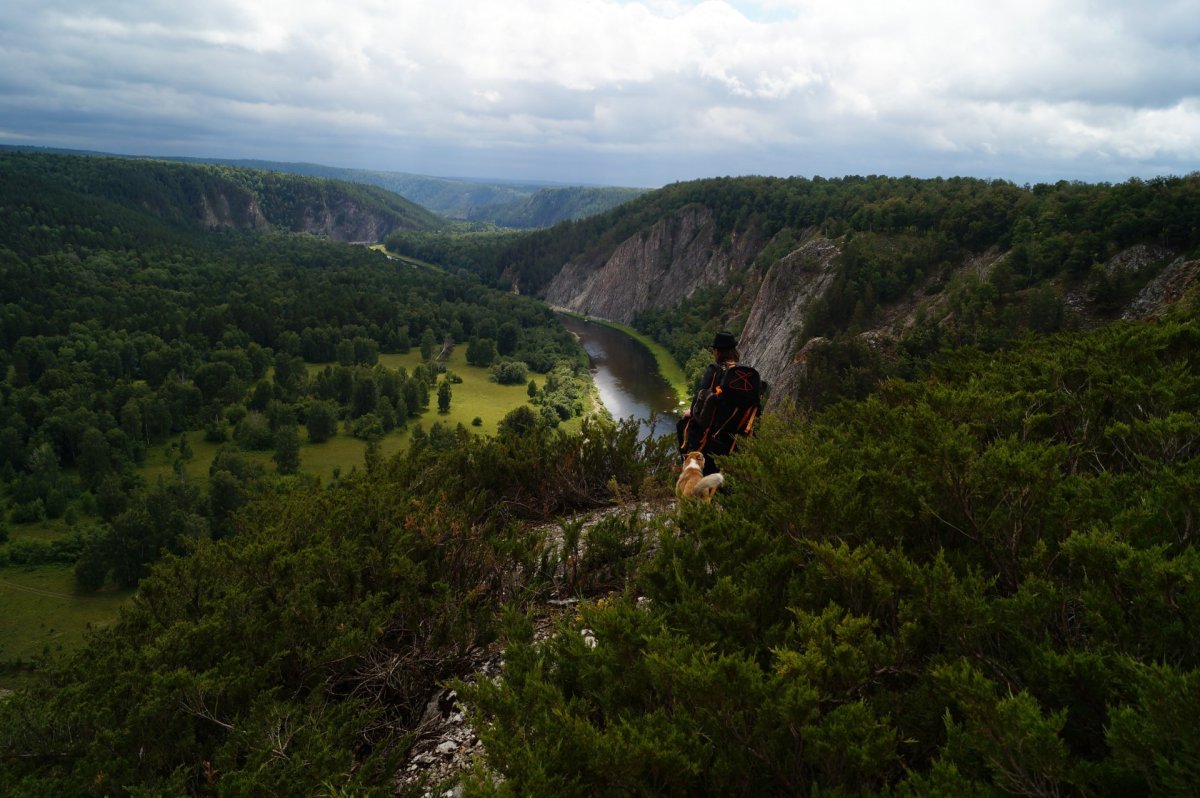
(231, 210)
(668, 262)
(325, 211)
(320, 213)
(779, 309)
(656, 268)
(1171, 286)
(343, 219)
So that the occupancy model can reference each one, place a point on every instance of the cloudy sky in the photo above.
(621, 93)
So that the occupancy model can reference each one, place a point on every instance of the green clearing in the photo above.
(476, 396)
(45, 531)
(43, 615)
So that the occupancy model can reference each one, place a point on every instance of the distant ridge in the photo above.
(506, 203)
(213, 196)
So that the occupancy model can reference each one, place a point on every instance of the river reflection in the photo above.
(626, 376)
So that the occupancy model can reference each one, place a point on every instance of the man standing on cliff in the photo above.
(725, 406)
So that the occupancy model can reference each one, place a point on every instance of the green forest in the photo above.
(72, 191)
(124, 332)
(964, 567)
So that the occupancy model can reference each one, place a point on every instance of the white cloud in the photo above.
(661, 89)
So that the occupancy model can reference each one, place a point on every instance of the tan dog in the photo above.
(692, 483)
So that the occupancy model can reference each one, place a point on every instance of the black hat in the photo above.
(724, 340)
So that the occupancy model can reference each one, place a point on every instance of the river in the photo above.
(626, 376)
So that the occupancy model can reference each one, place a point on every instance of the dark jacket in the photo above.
(720, 436)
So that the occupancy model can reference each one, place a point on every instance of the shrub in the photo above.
(974, 583)
(254, 432)
(510, 372)
(368, 427)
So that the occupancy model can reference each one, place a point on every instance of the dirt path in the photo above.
(35, 590)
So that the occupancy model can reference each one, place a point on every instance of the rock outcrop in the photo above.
(231, 210)
(1165, 290)
(669, 261)
(779, 310)
(329, 213)
(659, 267)
(342, 219)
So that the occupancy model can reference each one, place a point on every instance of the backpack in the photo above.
(735, 397)
(741, 393)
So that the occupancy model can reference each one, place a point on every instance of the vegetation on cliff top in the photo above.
(503, 203)
(981, 581)
(1051, 228)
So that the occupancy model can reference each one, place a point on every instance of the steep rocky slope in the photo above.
(658, 267)
(669, 261)
(777, 314)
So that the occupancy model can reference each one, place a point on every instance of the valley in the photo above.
(957, 557)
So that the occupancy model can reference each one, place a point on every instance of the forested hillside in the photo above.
(956, 559)
(1064, 226)
(208, 196)
(978, 582)
(124, 329)
(503, 203)
(549, 206)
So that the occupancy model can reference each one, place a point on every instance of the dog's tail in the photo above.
(707, 486)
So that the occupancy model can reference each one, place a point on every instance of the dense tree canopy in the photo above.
(120, 329)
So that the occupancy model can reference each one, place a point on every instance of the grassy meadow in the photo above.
(476, 397)
(42, 614)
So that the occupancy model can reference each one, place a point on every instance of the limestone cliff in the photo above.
(327, 213)
(656, 268)
(668, 261)
(1179, 279)
(342, 219)
(779, 309)
(231, 209)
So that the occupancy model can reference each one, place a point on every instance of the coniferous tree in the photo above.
(320, 420)
(427, 343)
(444, 397)
(287, 450)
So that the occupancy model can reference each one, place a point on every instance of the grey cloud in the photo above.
(159, 80)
